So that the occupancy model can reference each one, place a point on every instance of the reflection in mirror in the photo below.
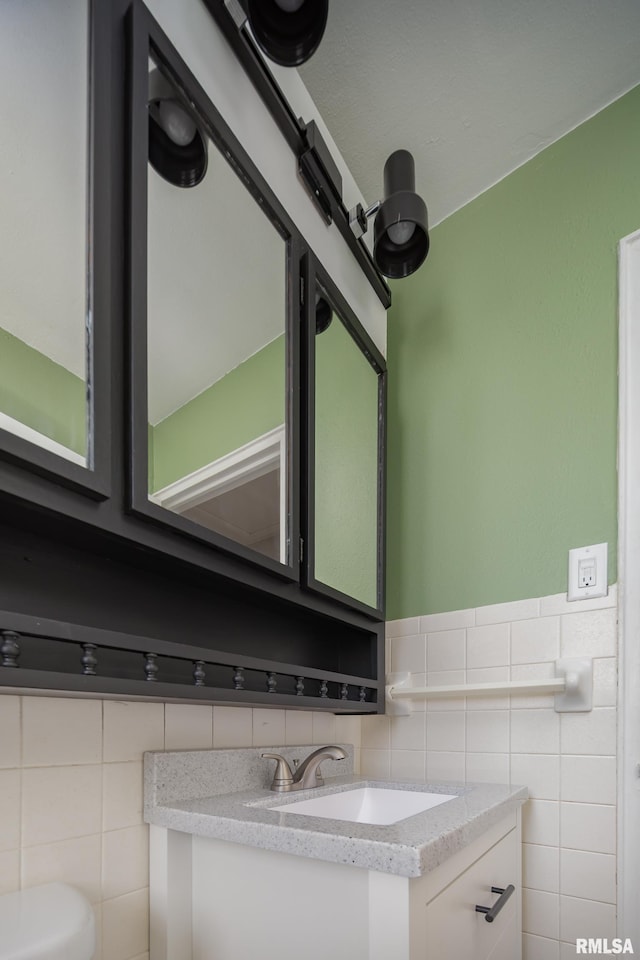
(346, 460)
(43, 241)
(217, 295)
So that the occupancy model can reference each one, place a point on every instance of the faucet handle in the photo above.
(283, 775)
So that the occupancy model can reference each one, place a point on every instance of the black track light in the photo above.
(401, 238)
(288, 31)
(177, 148)
(401, 233)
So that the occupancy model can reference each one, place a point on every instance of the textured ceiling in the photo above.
(473, 88)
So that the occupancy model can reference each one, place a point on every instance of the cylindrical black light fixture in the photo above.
(288, 31)
(401, 238)
(177, 148)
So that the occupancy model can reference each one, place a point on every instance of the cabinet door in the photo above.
(214, 400)
(455, 931)
(54, 166)
(508, 946)
(345, 520)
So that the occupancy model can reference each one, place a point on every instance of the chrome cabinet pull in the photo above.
(490, 913)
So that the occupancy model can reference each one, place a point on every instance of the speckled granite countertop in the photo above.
(183, 791)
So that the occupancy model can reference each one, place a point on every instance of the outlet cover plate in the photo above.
(597, 553)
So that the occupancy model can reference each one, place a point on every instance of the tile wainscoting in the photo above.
(568, 761)
(71, 770)
(71, 792)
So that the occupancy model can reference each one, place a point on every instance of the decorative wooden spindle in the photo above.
(324, 690)
(344, 691)
(272, 682)
(89, 660)
(150, 666)
(299, 686)
(363, 694)
(198, 673)
(238, 678)
(10, 648)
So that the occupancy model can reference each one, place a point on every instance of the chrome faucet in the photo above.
(307, 774)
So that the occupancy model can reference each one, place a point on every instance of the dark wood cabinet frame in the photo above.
(100, 596)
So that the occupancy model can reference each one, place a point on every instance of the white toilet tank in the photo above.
(50, 922)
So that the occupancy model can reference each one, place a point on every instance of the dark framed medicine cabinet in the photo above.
(152, 568)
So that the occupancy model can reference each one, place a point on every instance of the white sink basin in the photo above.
(378, 805)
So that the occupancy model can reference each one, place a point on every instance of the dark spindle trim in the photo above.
(10, 648)
(89, 660)
(327, 689)
(198, 673)
(150, 666)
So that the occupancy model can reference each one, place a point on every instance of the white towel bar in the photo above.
(572, 685)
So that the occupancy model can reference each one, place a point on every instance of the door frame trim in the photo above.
(248, 462)
(628, 579)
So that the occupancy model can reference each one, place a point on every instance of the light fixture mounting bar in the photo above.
(319, 171)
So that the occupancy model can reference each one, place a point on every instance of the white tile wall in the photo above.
(567, 761)
(71, 792)
(71, 770)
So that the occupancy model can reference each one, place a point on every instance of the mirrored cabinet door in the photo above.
(216, 345)
(43, 260)
(346, 454)
(46, 266)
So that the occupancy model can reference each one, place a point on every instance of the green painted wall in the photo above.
(42, 394)
(244, 404)
(346, 466)
(502, 374)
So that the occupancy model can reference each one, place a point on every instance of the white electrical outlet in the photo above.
(587, 572)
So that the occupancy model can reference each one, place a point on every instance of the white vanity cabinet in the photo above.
(215, 900)
(446, 925)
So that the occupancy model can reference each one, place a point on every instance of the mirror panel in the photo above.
(346, 458)
(216, 343)
(44, 158)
